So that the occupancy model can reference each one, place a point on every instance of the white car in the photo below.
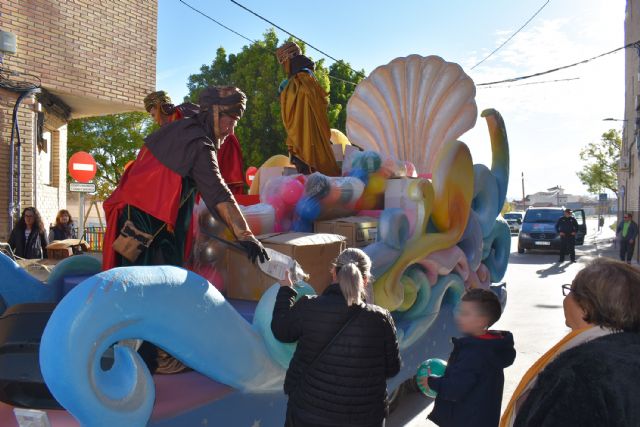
(514, 219)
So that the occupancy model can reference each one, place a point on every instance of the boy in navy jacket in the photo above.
(470, 392)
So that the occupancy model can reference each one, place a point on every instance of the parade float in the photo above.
(412, 199)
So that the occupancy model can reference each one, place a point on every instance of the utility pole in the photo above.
(524, 200)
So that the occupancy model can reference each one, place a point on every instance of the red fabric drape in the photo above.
(163, 202)
(230, 163)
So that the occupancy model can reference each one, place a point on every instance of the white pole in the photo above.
(81, 216)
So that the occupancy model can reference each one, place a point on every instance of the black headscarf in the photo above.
(200, 127)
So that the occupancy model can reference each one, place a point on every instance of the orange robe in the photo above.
(304, 114)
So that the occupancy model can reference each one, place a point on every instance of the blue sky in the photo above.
(547, 124)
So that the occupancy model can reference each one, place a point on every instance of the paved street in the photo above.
(534, 313)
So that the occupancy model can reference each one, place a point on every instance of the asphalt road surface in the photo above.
(533, 313)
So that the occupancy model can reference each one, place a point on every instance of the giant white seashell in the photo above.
(410, 107)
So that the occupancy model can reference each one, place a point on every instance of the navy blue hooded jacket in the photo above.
(470, 392)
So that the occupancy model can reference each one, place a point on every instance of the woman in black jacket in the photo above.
(27, 239)
(591, 378)
(343, 384)
(64, 227)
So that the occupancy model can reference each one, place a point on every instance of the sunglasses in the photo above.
(566, 289)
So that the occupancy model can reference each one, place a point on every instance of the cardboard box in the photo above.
(65, 248)
(314, 253)
(359, 231)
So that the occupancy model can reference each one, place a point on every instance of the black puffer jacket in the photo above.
(347, 386)
(592, 385)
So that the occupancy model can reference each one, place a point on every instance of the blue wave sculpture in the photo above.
(19, 287)
(173, 308)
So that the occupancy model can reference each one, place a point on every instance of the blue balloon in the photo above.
(361, 174)
(369, 161)
(302, 226)
(308, 208)
(317, 185)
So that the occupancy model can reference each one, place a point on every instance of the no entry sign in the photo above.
(82, 167)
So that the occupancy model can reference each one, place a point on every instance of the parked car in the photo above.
(538, 230)
(514, 219)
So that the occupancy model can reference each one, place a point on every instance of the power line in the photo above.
(217, 22)
(531, 83)
(512, 35)
(553, 70)
(293, 35)
(255, 42)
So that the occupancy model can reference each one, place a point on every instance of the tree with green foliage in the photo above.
(343, 84)
(256, 71)
(113, 141)
(601, 171)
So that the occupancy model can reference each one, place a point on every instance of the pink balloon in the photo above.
(292, 191)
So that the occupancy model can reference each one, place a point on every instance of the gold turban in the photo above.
(288, 51)
(156, 98)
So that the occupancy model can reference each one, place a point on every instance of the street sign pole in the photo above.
(81, 216)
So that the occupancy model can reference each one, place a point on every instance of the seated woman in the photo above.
(590, 378)
(64, 227)
(28, 239)
(346, 350)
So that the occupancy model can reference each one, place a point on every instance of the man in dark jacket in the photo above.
(627, 232)
(567, 227)
(347, 385)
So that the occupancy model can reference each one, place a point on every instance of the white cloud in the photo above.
(547, 124)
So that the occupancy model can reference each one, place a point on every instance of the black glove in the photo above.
(254, 250)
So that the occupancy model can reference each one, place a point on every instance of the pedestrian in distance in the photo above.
(346, 349)
(590, 377)
(470, 392)
(64, 228)
(28, 239)
(567, 227)
(627, 232)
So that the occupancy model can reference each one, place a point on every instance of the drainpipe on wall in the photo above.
(15, 132)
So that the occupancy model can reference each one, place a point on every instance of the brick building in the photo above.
(89, 57)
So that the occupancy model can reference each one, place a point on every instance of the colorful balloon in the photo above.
(292, 191)
(317, 185)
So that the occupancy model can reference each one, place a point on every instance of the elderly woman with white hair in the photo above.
(346, 349)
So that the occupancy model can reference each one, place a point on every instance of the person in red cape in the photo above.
(156, 192)
(158, 105)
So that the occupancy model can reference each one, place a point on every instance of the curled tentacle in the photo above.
(497, 247)
(500, 152)
(447, 202)
(279, 351)
(412, 327)
(177, 310)
(485, 198)
(471, 243)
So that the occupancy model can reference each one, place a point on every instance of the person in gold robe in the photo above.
(304, 114)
